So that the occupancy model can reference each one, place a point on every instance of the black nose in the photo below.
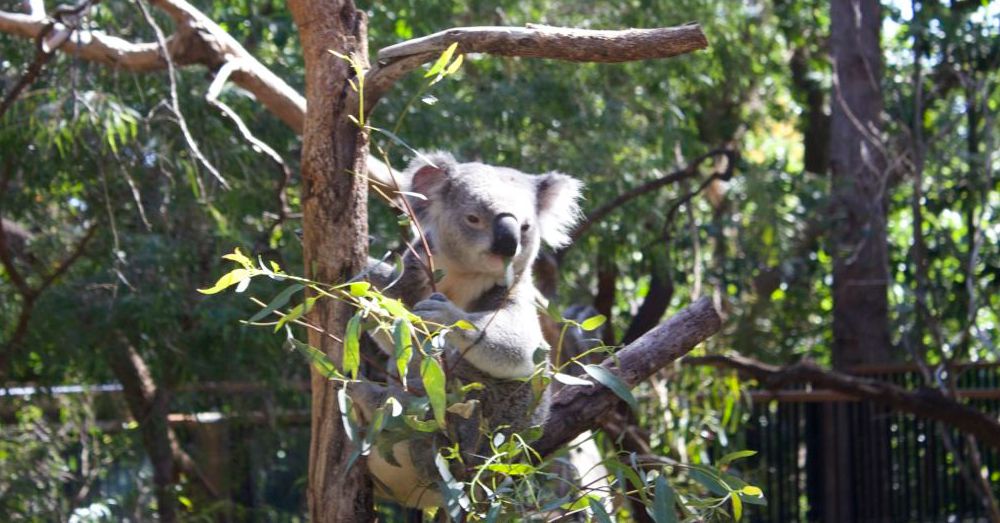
(506, 235)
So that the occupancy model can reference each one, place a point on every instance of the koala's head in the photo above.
(477, 217)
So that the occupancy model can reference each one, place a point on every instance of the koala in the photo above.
(484, 226)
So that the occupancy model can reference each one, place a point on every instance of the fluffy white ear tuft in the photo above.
(558, 198)
(427, 174)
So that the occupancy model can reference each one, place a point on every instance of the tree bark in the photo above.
(577, 408)
(335, 243)
(858, 165)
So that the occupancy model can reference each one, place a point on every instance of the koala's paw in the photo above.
(438, 309)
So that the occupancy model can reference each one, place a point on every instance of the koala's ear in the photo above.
(557, 197)
(427, 174)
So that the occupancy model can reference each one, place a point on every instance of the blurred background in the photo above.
(831, 181)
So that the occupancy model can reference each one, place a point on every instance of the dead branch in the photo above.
(579, 408)
(197, 40)
(924, 402)
(532, 41)
(560, 43)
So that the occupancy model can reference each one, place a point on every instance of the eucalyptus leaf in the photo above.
(613, 382)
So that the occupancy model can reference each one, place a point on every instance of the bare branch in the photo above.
(578, 408)
(93, 46)
(925, 402)
(197, 40)
(560, 43)
(532, 41)
(212, 96)
(677, 176)
(175, 105)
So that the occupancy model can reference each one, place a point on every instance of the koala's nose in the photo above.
(506, 235)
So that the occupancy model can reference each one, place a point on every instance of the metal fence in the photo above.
(823, 456)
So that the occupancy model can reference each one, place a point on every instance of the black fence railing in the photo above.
(823, 456)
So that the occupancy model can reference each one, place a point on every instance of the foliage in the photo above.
(87, 146)
(514, 482)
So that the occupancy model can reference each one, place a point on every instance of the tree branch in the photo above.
(683, 174)
(560, 43)
(578, 408)
(149, 406)
(532, 41)
(197, 40)
(924, 402)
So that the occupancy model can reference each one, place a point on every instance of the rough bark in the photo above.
(335, 243)
(532, 41)
(860, 267)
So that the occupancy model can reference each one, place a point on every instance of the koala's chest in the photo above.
(464, 291)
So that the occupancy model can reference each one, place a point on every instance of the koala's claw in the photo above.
(438, 309)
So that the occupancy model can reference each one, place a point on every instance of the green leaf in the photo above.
(737, 506)
(297, 312)
(359, 288)
(733, 456)
(597, 509)
(317, 358)
(663, 502)
(593, 322)
(454, 65)
(580, 503)
(404, 347)
(637, 483)
(351, 429)
(352, 347)
(277, 302)
(442, 61)
(240, 258)
(613, 382)
(464, 325)
(752, 495)
(568, 379)
(434, 383)
(420, 425)
(512, 469)
(231, 278)
(709, 480)
(395, 308)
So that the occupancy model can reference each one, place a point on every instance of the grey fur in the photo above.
(481, 289)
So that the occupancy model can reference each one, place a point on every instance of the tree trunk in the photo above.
(335, 243)
(149, 407)
(860, 252)
(860, 267)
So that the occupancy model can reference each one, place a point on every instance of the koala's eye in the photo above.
(525, 227)
(472, 219)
